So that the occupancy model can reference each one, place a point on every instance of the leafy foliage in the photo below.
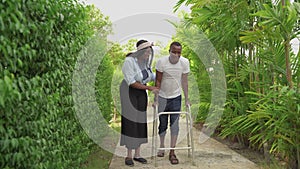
(39, 44)
(253, 39)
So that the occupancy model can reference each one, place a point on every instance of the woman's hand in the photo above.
(154, 89)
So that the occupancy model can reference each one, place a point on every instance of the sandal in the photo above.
(160, 153)
(128, 161)
(173, 159)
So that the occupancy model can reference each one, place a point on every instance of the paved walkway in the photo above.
(210, 154)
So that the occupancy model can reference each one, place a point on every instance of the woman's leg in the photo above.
(129, 153)
(137, 156)
(128, 159)
(137, 152)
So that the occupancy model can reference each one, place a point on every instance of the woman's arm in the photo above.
(157, 82)
(138, 85)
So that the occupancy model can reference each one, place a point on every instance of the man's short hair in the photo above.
(174, 43)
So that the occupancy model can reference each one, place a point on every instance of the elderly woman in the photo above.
(137, 73)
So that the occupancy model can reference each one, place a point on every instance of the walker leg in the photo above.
(192, 143)
(153, 134)
(188, 135)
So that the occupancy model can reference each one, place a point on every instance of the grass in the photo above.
(98, 159)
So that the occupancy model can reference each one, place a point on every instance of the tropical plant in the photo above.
(253, 41)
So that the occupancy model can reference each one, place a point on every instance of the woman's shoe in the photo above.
(140, 159)
(128, 161)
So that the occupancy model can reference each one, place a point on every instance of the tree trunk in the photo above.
(251, 62)
(287, 62)
(298, 157)
(267, 157)
(287, 42)
(256, 75)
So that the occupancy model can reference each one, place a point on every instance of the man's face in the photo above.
(175, 51)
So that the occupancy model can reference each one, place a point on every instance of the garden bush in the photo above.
(40, 41)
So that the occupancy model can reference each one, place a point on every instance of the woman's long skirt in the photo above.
(134, 118)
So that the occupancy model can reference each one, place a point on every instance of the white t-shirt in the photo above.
(172, 73)
(133, 73)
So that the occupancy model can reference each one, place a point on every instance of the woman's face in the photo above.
(147, 53)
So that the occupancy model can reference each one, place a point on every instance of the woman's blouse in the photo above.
(133, 73)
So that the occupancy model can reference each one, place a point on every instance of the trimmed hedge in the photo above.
(40, 41)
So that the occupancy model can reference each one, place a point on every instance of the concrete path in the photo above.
(210, 154)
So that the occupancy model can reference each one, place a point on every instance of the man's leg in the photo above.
(163, 123)
(174, 120)
(174, 134)
(173, 143)
(174, 125)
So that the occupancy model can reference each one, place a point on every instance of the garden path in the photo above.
(210, 154)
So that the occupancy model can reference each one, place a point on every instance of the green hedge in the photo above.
(40, 41)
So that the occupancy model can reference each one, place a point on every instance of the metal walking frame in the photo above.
(189, 127)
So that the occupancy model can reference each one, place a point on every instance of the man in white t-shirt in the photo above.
(171, 77)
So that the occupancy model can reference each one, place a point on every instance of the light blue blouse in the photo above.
(133, 73)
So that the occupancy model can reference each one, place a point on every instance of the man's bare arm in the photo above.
(185, 85)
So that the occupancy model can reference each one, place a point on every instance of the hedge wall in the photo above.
(40, 41)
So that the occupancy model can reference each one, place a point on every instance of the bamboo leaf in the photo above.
(284, 138)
